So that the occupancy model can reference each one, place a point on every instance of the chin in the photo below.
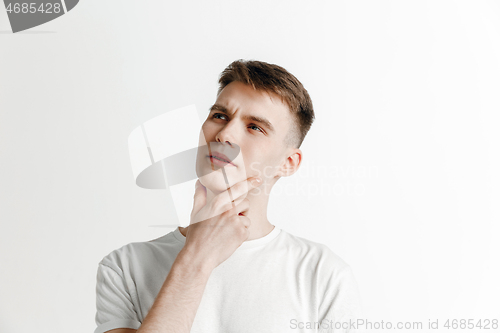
(215, 182)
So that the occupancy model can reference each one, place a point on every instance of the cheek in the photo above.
(261, 166)
(209, 129)
(201, 139)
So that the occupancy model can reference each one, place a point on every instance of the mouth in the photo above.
(220, 159)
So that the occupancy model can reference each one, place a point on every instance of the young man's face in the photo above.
(263, 151)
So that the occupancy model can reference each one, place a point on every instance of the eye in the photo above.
(260, 129)
(215, 114)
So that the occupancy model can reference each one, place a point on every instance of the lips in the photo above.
(221, 156)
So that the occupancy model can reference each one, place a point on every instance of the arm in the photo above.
(209, 241)
(177, 301)
(215, 232)
(175, 306)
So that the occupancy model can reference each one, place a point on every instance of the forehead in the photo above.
(243, 100)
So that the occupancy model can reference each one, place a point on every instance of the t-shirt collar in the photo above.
(246, 244)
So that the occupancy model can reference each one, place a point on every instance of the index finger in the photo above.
(243, 187)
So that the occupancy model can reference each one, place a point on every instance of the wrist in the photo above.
(190, 260)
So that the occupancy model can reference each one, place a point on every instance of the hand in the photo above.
(220, 226)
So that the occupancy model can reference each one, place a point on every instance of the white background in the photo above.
(406, 95)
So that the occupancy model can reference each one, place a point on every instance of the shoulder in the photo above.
(134, 254)
(318, 254)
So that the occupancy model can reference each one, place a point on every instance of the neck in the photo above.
(257, 212)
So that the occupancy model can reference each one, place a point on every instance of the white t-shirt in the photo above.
(277, 283)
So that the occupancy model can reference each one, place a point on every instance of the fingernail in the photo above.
(256, 181)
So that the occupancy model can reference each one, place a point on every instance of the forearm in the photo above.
(176, 304)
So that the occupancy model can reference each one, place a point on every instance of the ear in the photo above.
(291, 164)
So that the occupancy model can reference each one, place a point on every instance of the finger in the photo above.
(245, 221)
(241, 208)
(242, 188)
(233, 207)
(237, 192)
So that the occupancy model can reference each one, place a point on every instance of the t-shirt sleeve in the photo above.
(115, 308)
(341, 305)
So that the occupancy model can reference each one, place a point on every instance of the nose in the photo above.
(224, 136)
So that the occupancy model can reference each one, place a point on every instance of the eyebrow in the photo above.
(261, 120)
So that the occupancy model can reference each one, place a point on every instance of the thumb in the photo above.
(200, 198)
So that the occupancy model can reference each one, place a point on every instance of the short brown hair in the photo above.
(273, 78)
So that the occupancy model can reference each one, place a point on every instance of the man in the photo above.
(231, 270)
